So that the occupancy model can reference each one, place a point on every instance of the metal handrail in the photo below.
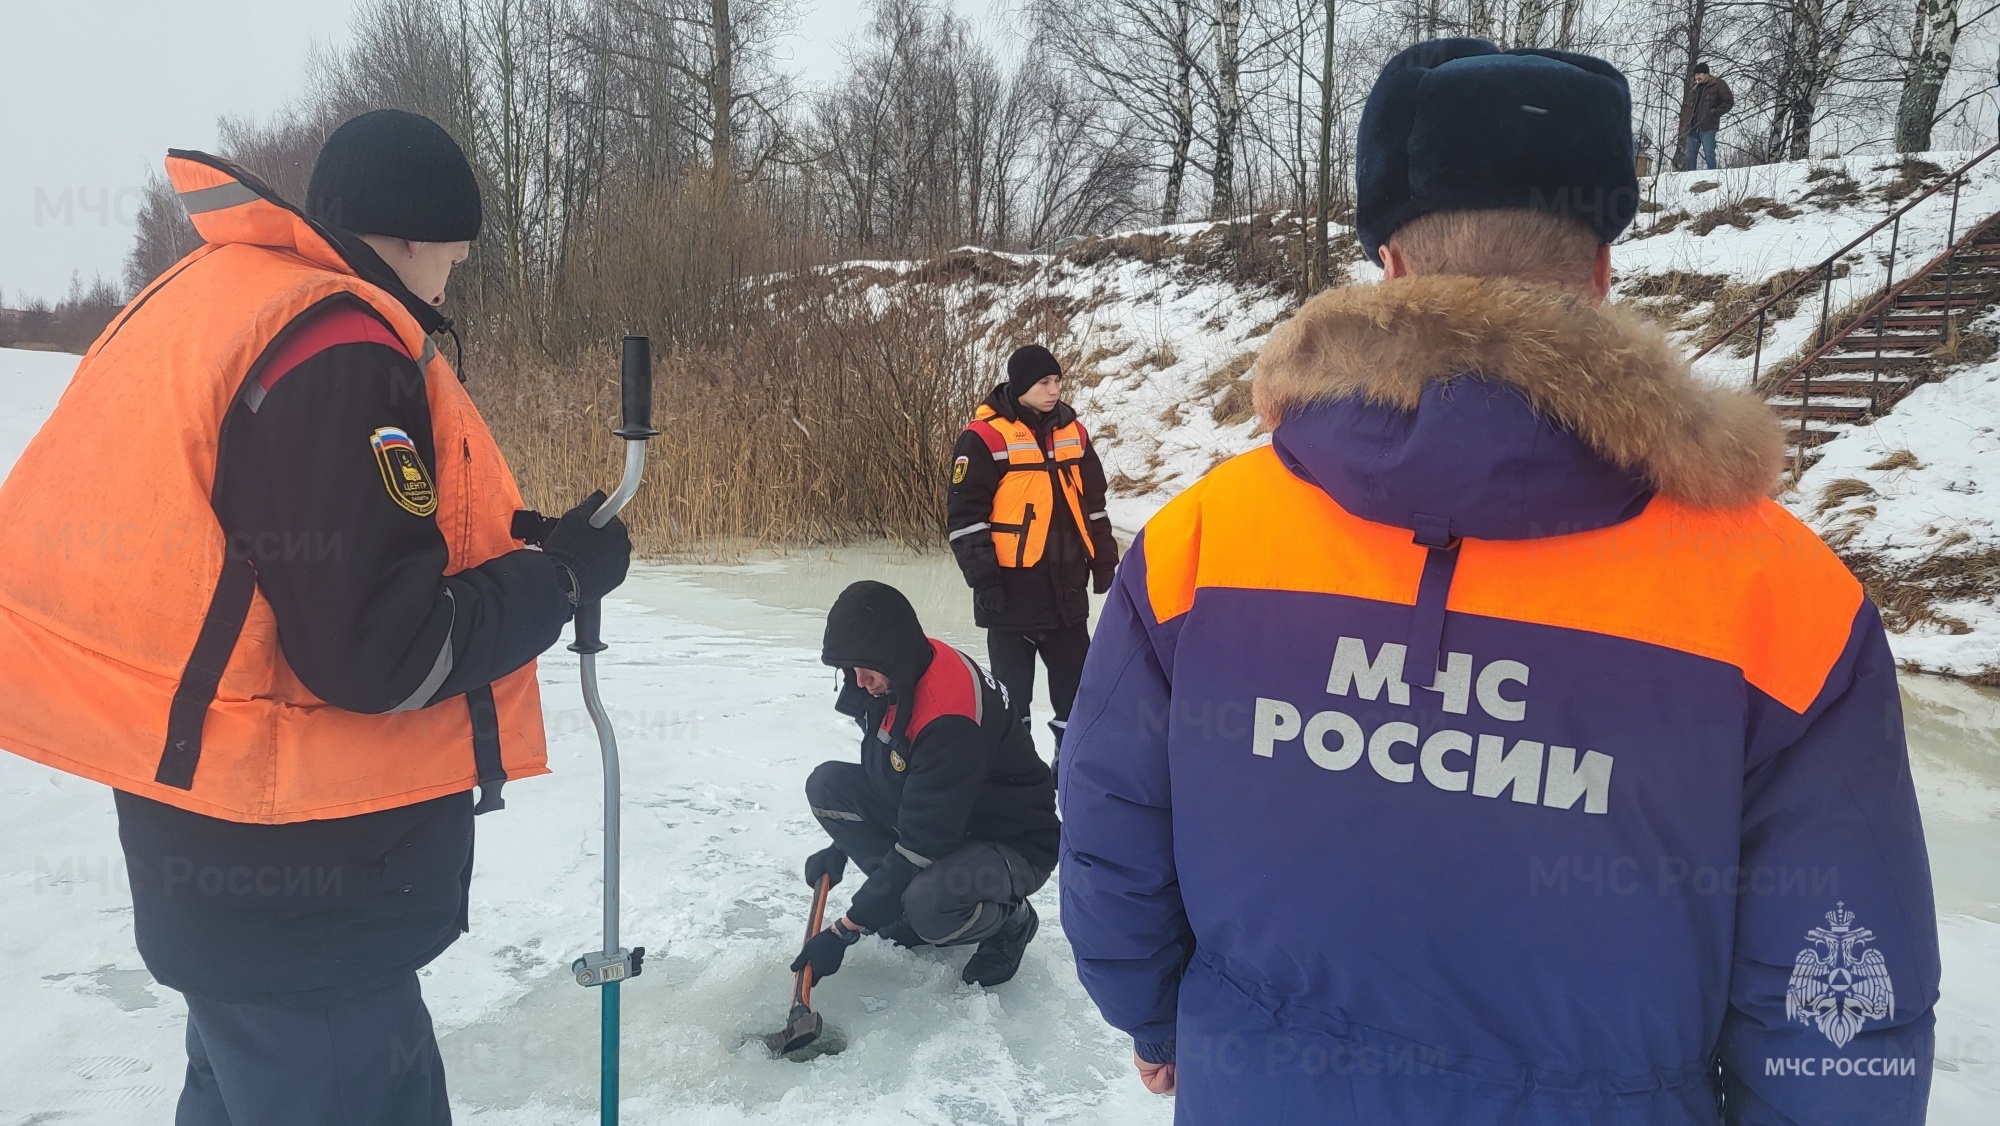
(1881, 306)
(1955, 178)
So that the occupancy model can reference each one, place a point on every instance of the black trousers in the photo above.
(369, 1060)
(964, 898)
(1012, 655)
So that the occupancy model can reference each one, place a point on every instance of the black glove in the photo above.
(991, 599)
(595, 558)
(1100, 580)
(824, 951)
(829, 861)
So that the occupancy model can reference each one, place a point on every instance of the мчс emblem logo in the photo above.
(958, 470)
(403, 472)
(1839, 982)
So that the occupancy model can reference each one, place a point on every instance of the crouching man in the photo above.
(950, 812)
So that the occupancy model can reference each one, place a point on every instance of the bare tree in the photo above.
(1933, 38)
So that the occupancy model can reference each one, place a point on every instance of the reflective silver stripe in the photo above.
(217, 198)
(978, 696)
(978, 909)
(1000, 455)
(439, 670)
(430, 353)
(253, 395)
(919, 861)
(968, 530)
(835, 814)
(1100, 516)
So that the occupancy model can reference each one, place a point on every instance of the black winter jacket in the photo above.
(1055, 592)
(364, 613)
(943, 748)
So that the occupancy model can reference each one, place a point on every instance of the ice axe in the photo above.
(803, 1026)
(613, 964)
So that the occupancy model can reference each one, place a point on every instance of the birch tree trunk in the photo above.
(1183, 135)
(1229, 107)
(1933, 37)
(1323, 190)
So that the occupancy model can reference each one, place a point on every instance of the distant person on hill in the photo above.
(1707, 100)
(1027, 522)
(949, 813)
(317, 634)
(1490, 748)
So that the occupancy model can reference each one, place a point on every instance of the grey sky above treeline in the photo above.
(95, 92)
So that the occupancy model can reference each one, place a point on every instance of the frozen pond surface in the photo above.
(723, 707)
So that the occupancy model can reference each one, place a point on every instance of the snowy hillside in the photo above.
(1161, 326)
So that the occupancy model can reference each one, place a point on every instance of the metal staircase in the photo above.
(1858, 366)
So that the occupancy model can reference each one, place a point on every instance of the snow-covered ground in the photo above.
(723, 707)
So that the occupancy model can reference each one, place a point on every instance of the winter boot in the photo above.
(999, 958)
(903, 934)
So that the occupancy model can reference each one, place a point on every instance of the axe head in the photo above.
(802, 1029)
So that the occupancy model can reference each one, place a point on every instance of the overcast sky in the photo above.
(93, 93)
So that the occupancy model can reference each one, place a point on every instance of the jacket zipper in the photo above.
(1021, 544)
(465, 502)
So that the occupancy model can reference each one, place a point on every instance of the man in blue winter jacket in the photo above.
(1489, 748)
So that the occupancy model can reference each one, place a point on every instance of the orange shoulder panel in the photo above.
(1751, 587)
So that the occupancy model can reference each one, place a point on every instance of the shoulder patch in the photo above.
(403, 472)
(958, 470)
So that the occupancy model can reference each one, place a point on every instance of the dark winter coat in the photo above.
(943, 748)
(367, 619)
(1706, 103)
(1055, 592)
(1490, 749)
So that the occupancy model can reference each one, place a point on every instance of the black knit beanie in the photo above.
(390, 172)
(1029, 365)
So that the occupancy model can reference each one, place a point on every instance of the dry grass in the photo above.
(1739, 214)
(831, 422)
(1908, 593)
(1707, 304)
(1897, 459)
(1841, 490)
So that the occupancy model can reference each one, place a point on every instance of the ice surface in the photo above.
(722, 707)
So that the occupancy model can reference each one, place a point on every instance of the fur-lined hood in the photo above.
(1600, 373)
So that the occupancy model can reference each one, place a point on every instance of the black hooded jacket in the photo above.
(1055, 592)
(942, 747)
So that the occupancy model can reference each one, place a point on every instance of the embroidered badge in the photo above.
(1841, 981)
(403, 472)
(897, 761)
(958, 471)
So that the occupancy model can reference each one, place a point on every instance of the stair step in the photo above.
(1925, 300)
(1869, 362)
(1888, 387)
(1813, 436)
(1904, 342)
(1833, 412)
(1906, 320)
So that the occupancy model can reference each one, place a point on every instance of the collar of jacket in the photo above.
(1512, 410)
(369, 267)
(230, 204)
(1003, 404)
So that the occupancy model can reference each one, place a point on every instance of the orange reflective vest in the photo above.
(134, 649)
(1024, 502)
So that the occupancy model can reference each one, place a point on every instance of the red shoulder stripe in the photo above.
(995, 441)
(951, 686)
(340, 324)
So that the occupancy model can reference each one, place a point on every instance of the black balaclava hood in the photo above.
(872, 626)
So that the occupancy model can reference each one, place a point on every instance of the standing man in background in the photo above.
(1707, 101)
(1027, 523)
(317, 632)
